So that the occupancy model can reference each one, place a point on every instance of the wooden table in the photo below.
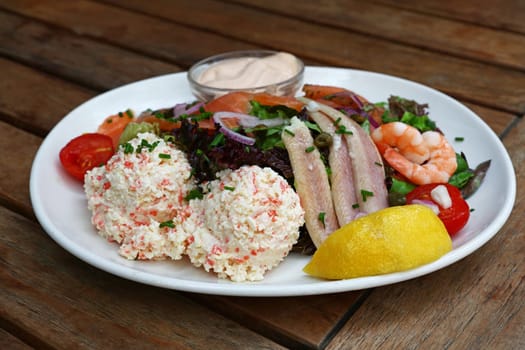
(56, 54)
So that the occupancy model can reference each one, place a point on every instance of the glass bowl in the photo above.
(286, 86)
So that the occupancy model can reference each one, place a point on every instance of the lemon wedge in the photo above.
(389, 240)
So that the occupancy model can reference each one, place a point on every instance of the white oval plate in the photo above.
(60, 205)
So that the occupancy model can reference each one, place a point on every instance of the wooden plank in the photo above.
(412, 28)
(486, 308)
(95, 64)
(333, 46)
(266, 320)
(505, 14)
(8, 341)
(307, 321)
(456, 76)
(497, 120)
(17, 150)
(50, 97)
(46, 107)
(43, 295)
(181, 44)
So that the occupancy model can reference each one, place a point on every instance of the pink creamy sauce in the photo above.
(249, 72)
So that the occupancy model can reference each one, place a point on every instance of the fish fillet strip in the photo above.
(311, 181)
(341, 176)
(367, 165)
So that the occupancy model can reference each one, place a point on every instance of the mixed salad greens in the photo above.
(247, 129)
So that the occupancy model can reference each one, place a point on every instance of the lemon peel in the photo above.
(389, 240)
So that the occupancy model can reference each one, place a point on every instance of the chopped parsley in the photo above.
(144, 144)
(271, 112)
(218, 140)
(128, 113)
(128, 148)
(365, 194)
(168, 223)
(341, 129)
(195, 193)
(202, 115)
(312, 126)
(202, 155)
(289, 132)
(321, 217)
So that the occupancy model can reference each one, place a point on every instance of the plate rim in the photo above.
(267, 290)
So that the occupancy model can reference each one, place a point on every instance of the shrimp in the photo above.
(403, 137)
(421, 157)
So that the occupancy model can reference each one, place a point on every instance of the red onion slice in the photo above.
(218, 118)
(182, 108)
(246, 120)
(246, 140)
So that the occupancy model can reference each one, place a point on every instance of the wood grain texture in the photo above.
(36, 101)
(504, 15)
(497, 120)
(96, 310)
(468, 40)
(54, 55)
(496, 87)
(165, 39)
(9, 341)
(308, 321)
(91, 63)
(17, 151)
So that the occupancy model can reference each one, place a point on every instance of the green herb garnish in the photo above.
(365, 194)
(195, 193)
(168, 223)
(289, 132)
(321, 217)
(128, 148)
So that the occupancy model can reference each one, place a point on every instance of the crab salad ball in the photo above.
(246, 223)
(137, 198)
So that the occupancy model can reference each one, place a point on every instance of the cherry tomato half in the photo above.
(85, 152)
(454, 217)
